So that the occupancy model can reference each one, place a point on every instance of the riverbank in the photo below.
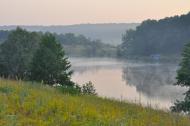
(24, 103)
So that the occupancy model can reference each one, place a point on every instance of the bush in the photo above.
(88, 89)
(85, 89)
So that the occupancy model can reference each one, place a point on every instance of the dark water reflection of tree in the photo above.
(152, 80)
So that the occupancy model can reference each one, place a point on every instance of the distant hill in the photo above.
(165, 37)
(108, 33)
(76, 45)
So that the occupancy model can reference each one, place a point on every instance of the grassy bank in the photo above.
(26, 104)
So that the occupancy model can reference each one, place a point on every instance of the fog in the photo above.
(140, 82)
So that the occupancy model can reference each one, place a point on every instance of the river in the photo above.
(146, 83)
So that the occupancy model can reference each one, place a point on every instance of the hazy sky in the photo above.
(64, 12)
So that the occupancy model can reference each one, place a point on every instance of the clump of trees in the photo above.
(16, 53)
(183, 79)
(38, 57)
(165, 37)
(49, 63)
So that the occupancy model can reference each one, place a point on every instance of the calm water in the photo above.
(139, 82)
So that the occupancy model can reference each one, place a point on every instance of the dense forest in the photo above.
(165, 37)
(77, 45)
(3, 35)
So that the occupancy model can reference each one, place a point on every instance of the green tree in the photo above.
(183, 79)
(50, 64)
(16, 53)
(125, 49)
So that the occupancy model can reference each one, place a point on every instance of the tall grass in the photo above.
(30, 104)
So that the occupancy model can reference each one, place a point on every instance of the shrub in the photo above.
(88, 89)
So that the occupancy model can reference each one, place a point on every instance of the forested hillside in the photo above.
(165, 37)
(3, 36)
(77, 45)
(109, 33)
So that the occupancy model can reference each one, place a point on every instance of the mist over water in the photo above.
(140, 82)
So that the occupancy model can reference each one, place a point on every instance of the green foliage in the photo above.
(88, 89)
(183, 73)
(49, 63)
(3, 35)
(16, 53)
(79, 45)
(125, 49)
(6, 90)
(40, 57)
(71, 90)
(165, 37)
(46, 106)
(108, 32)
(183, 79)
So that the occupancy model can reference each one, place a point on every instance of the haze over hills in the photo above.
(109, 33)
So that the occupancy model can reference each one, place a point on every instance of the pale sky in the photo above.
(66, 12)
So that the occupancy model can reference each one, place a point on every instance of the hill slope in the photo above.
(108, 33)
(24, 104)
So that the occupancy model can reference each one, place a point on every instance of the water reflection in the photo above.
(82, 65)
(154, 80)
(134, 81)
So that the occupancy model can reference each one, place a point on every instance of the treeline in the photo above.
(165, 37)
(109, 33)
(3, 36)
(77, 45)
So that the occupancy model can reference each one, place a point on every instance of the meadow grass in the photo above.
(30, 104)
